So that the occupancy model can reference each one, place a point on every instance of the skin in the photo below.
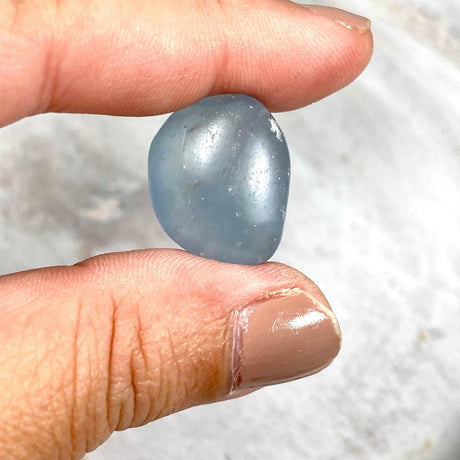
(122, 339)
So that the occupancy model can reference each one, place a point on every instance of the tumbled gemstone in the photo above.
(219, 179)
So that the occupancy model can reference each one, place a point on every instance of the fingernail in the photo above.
(283, 338)
(344, 18)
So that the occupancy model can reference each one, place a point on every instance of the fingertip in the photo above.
(296, 54)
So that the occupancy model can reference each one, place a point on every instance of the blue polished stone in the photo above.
(219, 179)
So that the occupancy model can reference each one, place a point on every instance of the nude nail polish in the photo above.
(351, 21)
(283, 338)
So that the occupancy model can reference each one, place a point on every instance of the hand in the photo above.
(122, 339)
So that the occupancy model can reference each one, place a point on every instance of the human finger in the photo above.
(148, 57)
(122, 339)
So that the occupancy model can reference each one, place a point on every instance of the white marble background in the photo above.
(373, 218)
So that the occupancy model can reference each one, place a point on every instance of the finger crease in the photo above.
(73, 414)
(110, 417)
(46, 96)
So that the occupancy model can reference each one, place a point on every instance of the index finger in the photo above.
(148, 57)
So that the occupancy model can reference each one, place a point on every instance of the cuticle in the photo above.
(235, 351)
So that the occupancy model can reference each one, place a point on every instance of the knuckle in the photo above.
(130, 383)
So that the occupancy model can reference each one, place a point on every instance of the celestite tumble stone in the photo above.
(219, 179)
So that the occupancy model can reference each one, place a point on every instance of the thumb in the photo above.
(123, 339)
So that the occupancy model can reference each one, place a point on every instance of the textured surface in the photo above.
(373, 218)
(219, 179)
